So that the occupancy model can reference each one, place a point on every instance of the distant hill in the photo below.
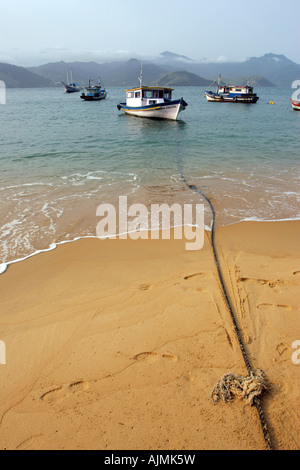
(255, 80)
(181, 79)
(112, 74)
(20, 77)
(268, 70)
(57, 71)
(275, 68)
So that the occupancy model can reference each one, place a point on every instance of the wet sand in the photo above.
(117, 344)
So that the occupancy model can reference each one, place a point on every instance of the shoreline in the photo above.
(117, 344)
(4, 266)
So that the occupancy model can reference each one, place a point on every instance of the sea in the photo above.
(61, 158)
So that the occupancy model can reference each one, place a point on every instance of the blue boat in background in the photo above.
(232, 94)
(94, 92)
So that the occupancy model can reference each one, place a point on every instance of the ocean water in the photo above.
(60, 158)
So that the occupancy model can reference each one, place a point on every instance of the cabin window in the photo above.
(155, 94)
(161, 94)
(138, 94)
(130, 94)
(148, 93)
(167, 95)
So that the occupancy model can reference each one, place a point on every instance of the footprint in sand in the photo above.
(151, 357)
(59, 394)
(145, 287)
(265, 306)
(281, 348)
(265, 282)
(192, 276)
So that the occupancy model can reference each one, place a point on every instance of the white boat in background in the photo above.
(295, 105)
(232, 94)
(70, 86)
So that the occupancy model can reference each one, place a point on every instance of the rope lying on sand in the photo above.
(233, 386)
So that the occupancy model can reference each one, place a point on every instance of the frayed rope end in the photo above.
(233, 386)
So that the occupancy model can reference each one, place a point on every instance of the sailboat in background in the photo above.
(70, 86)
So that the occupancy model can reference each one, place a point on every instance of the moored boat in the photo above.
(94, 92)
(70, 86)
(295, 105)
(232, 94)
(152, 102)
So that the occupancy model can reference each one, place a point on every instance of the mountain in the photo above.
(57, 71)
(182, 79)
(254, 80)
(112, 74)
(268, 70)
(19, 77)
(277, 69)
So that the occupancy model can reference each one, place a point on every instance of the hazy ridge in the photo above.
(168, 69)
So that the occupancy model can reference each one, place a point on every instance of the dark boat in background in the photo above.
(94, 92)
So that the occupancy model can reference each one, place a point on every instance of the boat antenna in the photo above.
(141, 75)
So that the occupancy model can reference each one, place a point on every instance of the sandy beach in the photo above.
(117, 344)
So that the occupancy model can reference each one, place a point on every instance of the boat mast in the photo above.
(141, 75)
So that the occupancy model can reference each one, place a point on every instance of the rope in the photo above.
(251, 372)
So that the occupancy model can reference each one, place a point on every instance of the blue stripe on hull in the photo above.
(151, 106)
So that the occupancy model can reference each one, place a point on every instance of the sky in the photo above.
(34, 32)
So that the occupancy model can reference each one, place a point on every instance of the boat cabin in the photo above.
(146, 96)
(244, 90)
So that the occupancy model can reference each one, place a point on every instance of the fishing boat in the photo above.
(94, 92)
(295, 105)
(232, 94)
(152, 102)
(70, 86)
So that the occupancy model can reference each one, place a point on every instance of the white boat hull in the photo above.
(170, 112)
(164, 111)
(295, 105)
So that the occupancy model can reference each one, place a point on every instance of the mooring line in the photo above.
(257, 400)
